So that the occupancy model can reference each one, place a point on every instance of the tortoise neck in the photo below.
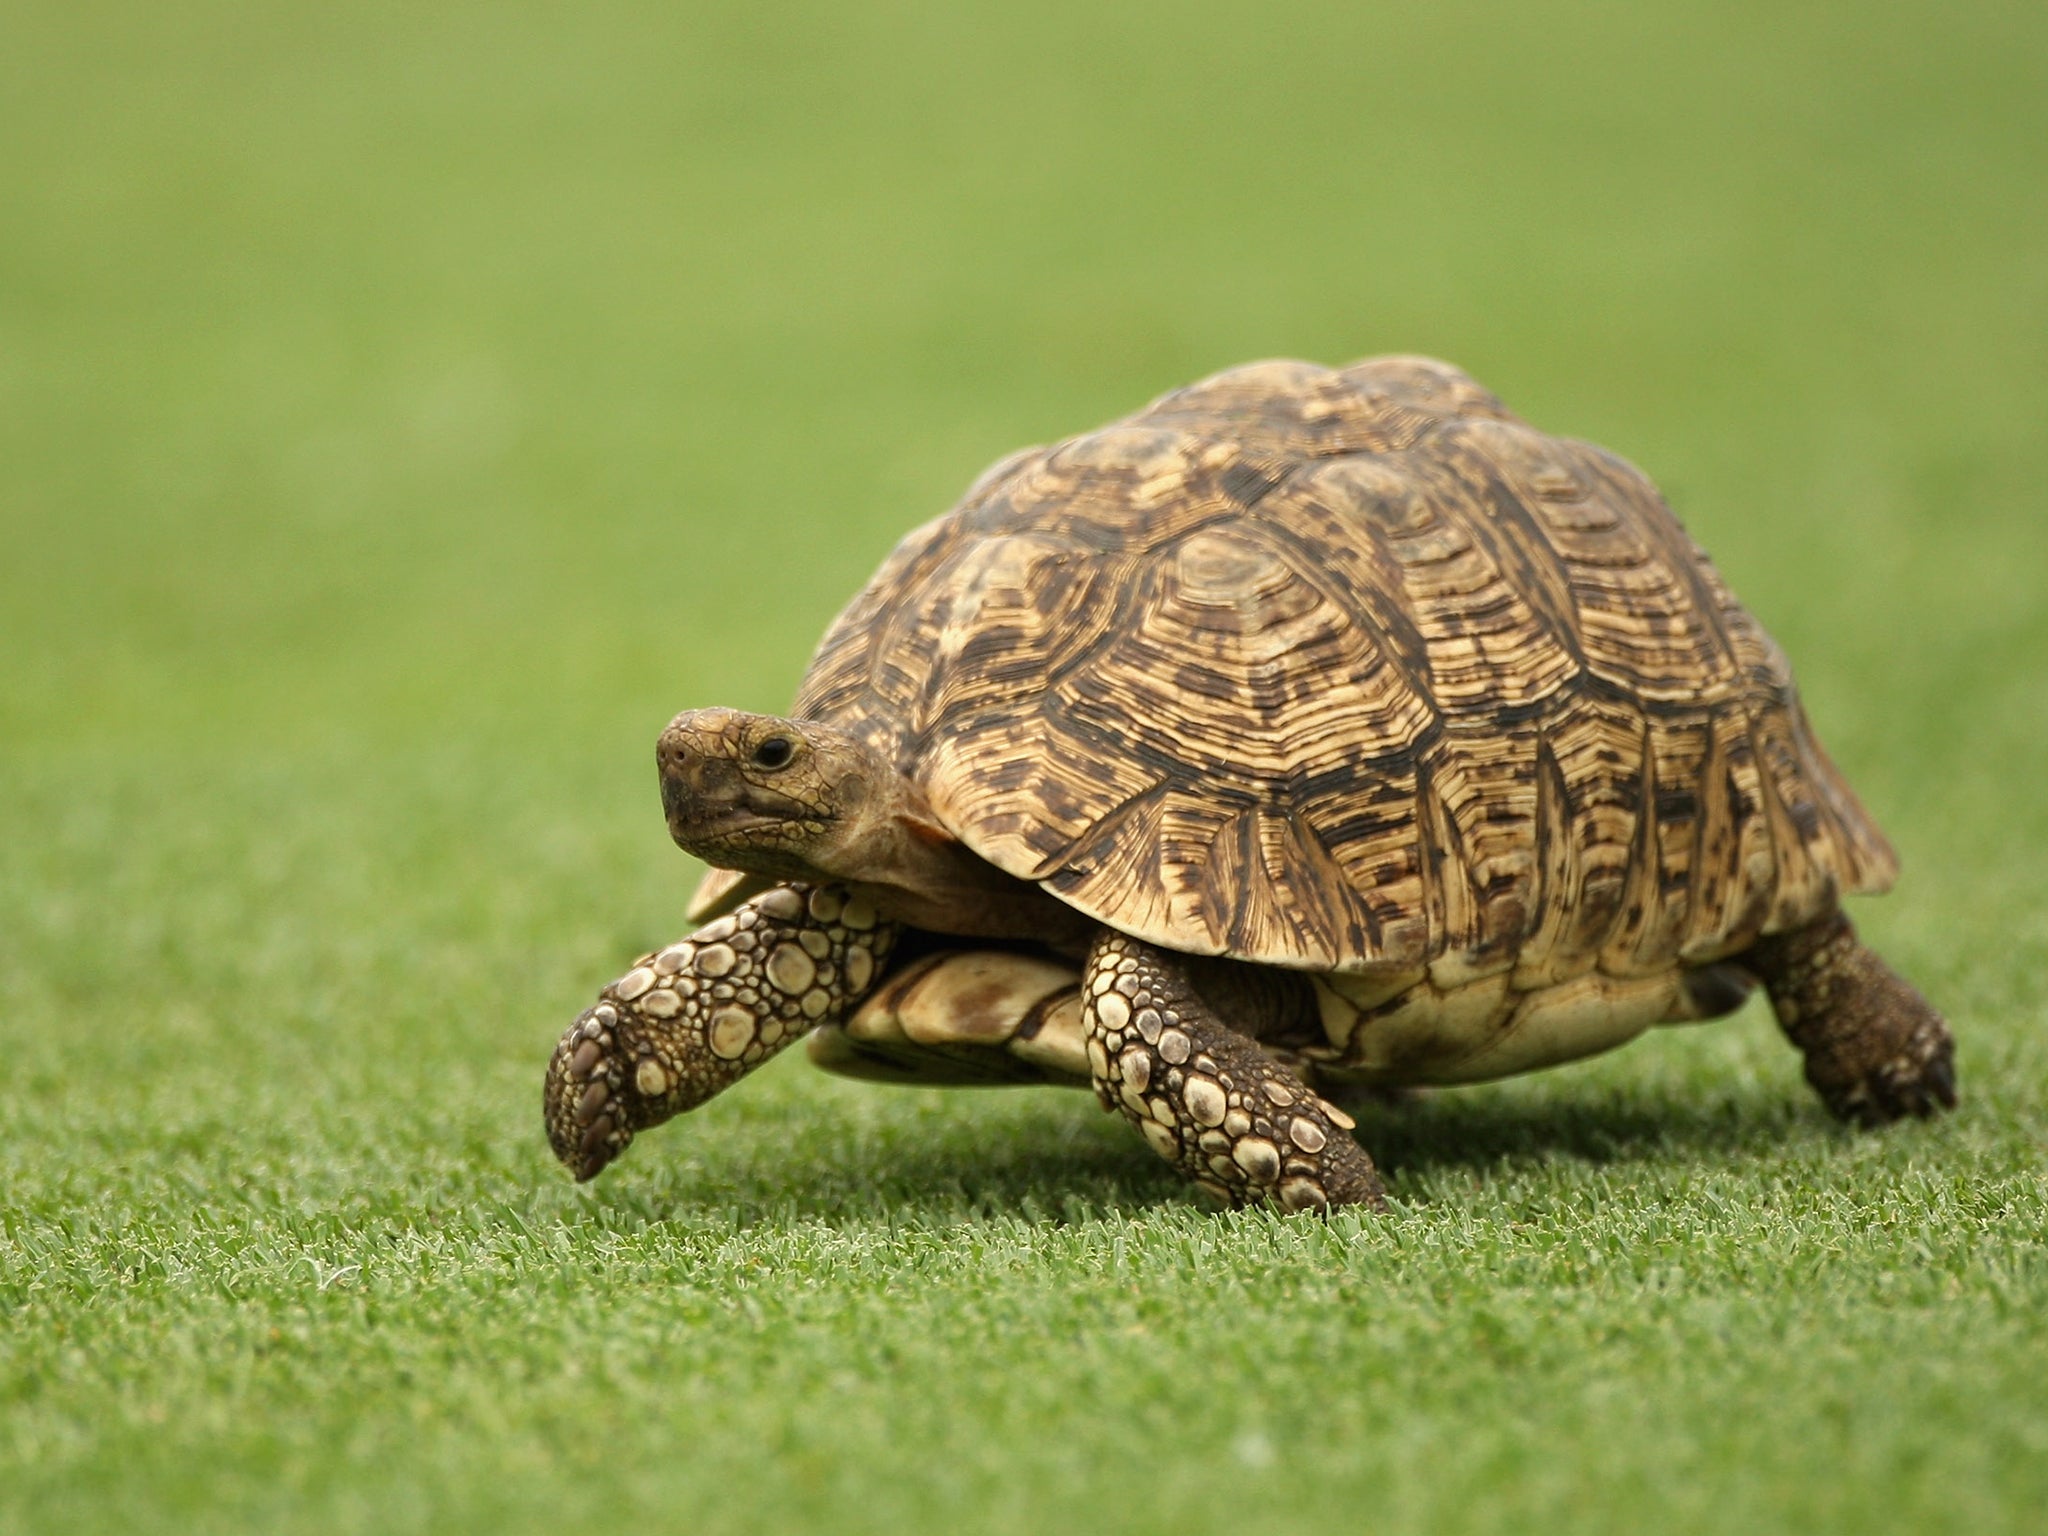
(916, 871)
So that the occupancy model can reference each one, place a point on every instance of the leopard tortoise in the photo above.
(1309, 730)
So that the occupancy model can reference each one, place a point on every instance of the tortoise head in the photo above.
(789, 799)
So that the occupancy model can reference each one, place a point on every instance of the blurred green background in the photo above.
(404, 409)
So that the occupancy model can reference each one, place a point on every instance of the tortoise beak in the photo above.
(707, 803)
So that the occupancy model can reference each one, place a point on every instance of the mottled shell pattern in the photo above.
(1351, 671)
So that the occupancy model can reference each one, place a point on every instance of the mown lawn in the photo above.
(405, 409)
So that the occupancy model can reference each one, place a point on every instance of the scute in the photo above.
(1351, 670)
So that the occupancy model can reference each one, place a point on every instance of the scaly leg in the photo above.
(1209, 1101)
(1875, 1048)
(693, 1019)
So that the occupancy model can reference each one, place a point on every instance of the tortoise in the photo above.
(1310, 731)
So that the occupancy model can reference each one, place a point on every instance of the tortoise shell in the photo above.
(1351, 670)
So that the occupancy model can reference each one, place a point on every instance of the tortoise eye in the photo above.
(774, 753)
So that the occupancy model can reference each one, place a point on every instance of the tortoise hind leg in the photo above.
(1207, 1098)
(1875, 1048)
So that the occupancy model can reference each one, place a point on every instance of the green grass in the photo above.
(403, 410)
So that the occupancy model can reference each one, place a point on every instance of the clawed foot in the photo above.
(584, 1101)
(1230, 1117)
(690, 1020)
(1919, 1081)
(1876, 1050)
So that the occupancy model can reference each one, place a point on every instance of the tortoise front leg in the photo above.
(1207, 1098)
(691, 1020)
